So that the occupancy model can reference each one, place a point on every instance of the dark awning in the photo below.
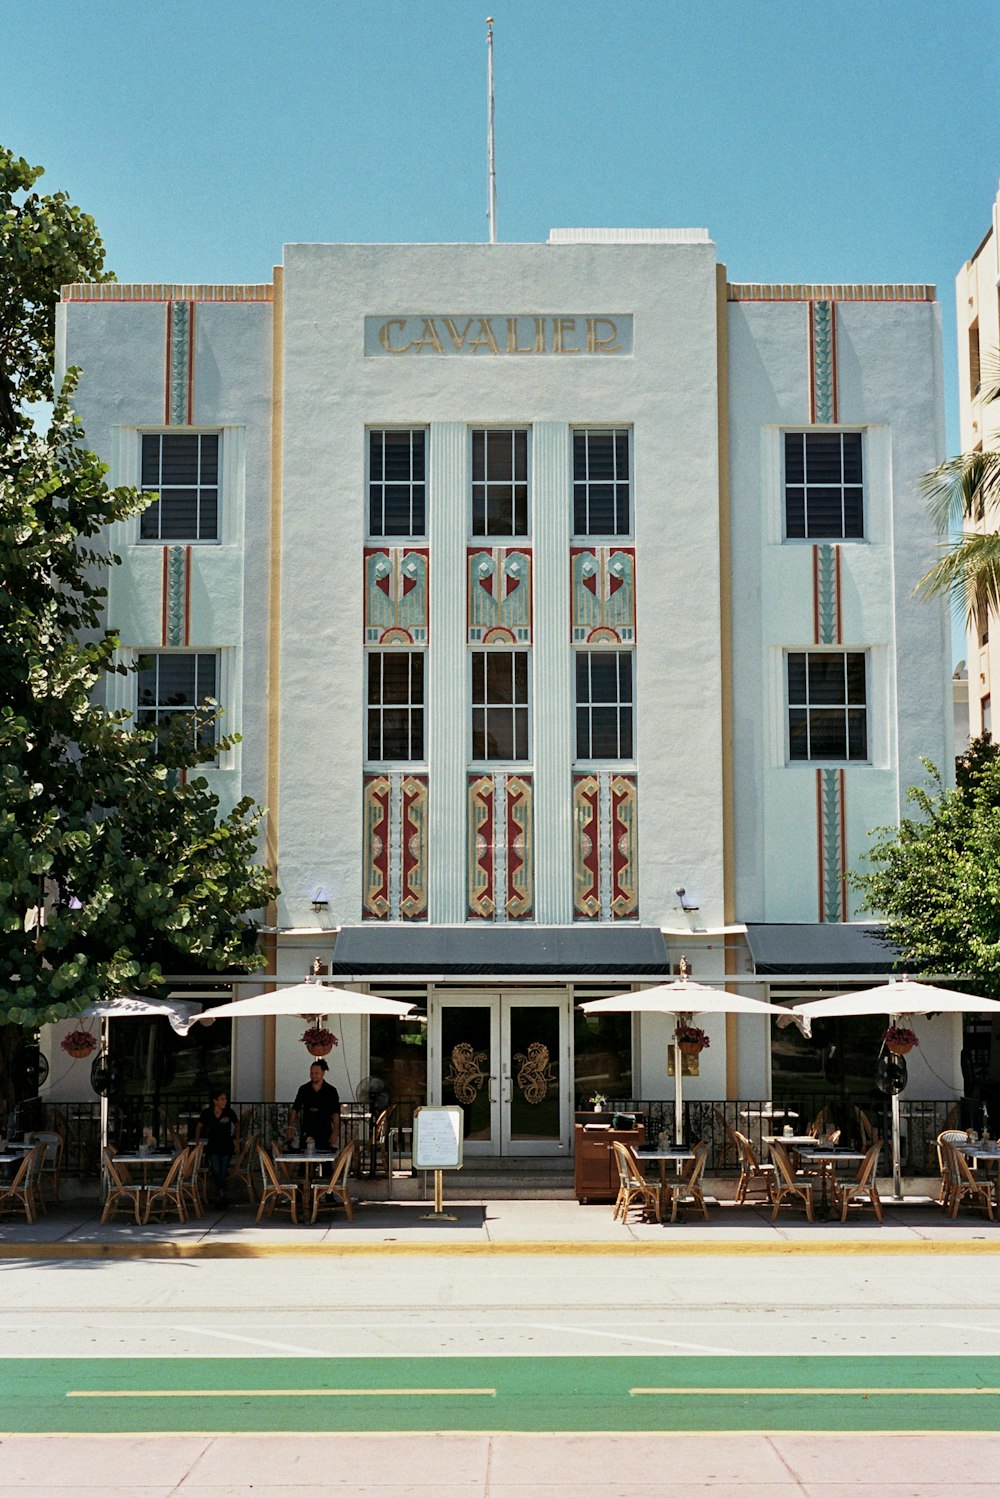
(837, 949)
(430, 952)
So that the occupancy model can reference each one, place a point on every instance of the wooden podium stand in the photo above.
(595, 1173)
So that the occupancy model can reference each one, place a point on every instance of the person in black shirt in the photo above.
(218, 1123)
(316, 1110)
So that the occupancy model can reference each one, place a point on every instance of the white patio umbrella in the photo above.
(180, 1012)
(308, 1000)
(677, 999)
(897, 999)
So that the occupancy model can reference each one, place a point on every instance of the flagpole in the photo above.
(490, 149)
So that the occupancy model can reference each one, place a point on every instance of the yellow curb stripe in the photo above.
(953, 1433)
(827, 1247)
(795, 1390)
(273, 1393)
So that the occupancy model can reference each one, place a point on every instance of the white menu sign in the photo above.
(437, 1138)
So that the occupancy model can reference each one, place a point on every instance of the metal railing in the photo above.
(922, 1120)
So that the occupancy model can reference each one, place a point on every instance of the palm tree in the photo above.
(965, 493)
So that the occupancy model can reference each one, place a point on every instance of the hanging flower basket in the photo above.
(79, 1044)
(691, 1040)
(899, 1040)
(318, 1041)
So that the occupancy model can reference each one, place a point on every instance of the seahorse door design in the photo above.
(503, 1058)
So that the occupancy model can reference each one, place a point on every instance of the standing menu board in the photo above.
(437, 1138)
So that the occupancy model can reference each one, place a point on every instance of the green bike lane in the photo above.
(498, 1394)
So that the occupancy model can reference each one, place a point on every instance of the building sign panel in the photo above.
(487, 336)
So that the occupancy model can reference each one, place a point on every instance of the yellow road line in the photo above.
(797, 1389)
(271, 1393)
(673, 1248)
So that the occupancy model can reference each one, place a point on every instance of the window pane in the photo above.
(374, 677)
(375, 450)
(857, 733)
(397, 457)
(417, 733)
(824, 512)
(854, 513)
(521, 455)
(176, 681)
(374, 734)
(604, 677)
(479, 733)
(478, 676)
(621, 455)
(583, 733)
(395, 677)
(500, 455)
(583, 676)
(149, 522)
(479, 455)
(852, 457)
(796, 678)
(521, 725)
(823, 450)
(625, 733)
(521, 677)
(580, 526)
(395, 733)
(579, 455)
(827, 734)
(798, 733)
(604, 732)
(208, 523)
(499, 733)
(856, 678)
(795, 472)
(500, 677)
(180, 460)
(209, 459)
(151, 461)
(826, 679)
(601, 455)
(416, 676)
(178, 514)
(602, 512)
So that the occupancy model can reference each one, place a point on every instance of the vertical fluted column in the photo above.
(447, 676)
(553, 679)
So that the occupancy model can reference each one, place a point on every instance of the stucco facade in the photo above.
(697, 589)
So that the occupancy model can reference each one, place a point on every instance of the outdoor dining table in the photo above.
(827, 1161)
(151, 1157)
(678, 1153)
(308, 1158)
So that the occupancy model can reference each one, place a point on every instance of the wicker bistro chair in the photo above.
(686, 1191)
(169, 1195)
(122, 1192)
(18, 1196)
(33, 1182)
(963, 1186)
(55, 1148)
(946, 1137)
(863, 1185)
(752, 1172)
(275, 1192)
(787, 1185)
(337, 1187)
(191, 1182)
(243, 1166)
(633, 1186)
(818, 1124)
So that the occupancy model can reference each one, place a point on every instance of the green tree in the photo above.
(936, 880)
(114, 863)
(963, 495)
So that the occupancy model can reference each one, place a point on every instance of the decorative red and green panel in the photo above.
(602, 595)
(605, 847)
(501, 856)
(394, 847)
(397, 593)
(499, 596)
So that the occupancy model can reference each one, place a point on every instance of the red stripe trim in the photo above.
(187, 595)
(819, 840)
(163, 600)
(815, 559)
(190, 398)
(812, 363)
(166, 369)
(843, 849)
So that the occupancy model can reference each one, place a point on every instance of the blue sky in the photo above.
(853, 140)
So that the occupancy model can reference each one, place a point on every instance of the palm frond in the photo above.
(966, 488)
(969, 572)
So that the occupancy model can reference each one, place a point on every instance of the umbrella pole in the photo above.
(897, 1177)
(678, 1098)
(105, 1034)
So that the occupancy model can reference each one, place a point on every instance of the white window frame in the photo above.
(825, 431)
(497, 538)
(397, 538)
(220, 728)
(220, 486)
(584, 429)
(386, 763)
(603, 759)
(809, 762)
(474, 707)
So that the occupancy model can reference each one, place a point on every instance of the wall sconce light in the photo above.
(688, 899)
(320, 899)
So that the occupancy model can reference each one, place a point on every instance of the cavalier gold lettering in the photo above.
(512, 343)
(564, 327)
(430, 337)
(457, 338)
(484, 338)
(384, 335)
(597, 345)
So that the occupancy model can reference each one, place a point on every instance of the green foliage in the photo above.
(114, 864)
(45, 242)
(937, 877)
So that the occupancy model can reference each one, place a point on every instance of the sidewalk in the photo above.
(74, 1230)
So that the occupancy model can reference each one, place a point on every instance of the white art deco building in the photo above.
(562, 596)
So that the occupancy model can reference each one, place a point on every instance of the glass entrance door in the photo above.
(503, 1057)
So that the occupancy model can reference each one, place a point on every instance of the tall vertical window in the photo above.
(183, 469)
(500, 483)
(397, 482)
(499, 704)
(601, 482)
(824, 491)
(179, 684)
(604, 704)
(827, 705)
(986, 714)
(975, 370)
(396, 705)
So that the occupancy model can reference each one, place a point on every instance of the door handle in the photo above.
(489, 1091)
